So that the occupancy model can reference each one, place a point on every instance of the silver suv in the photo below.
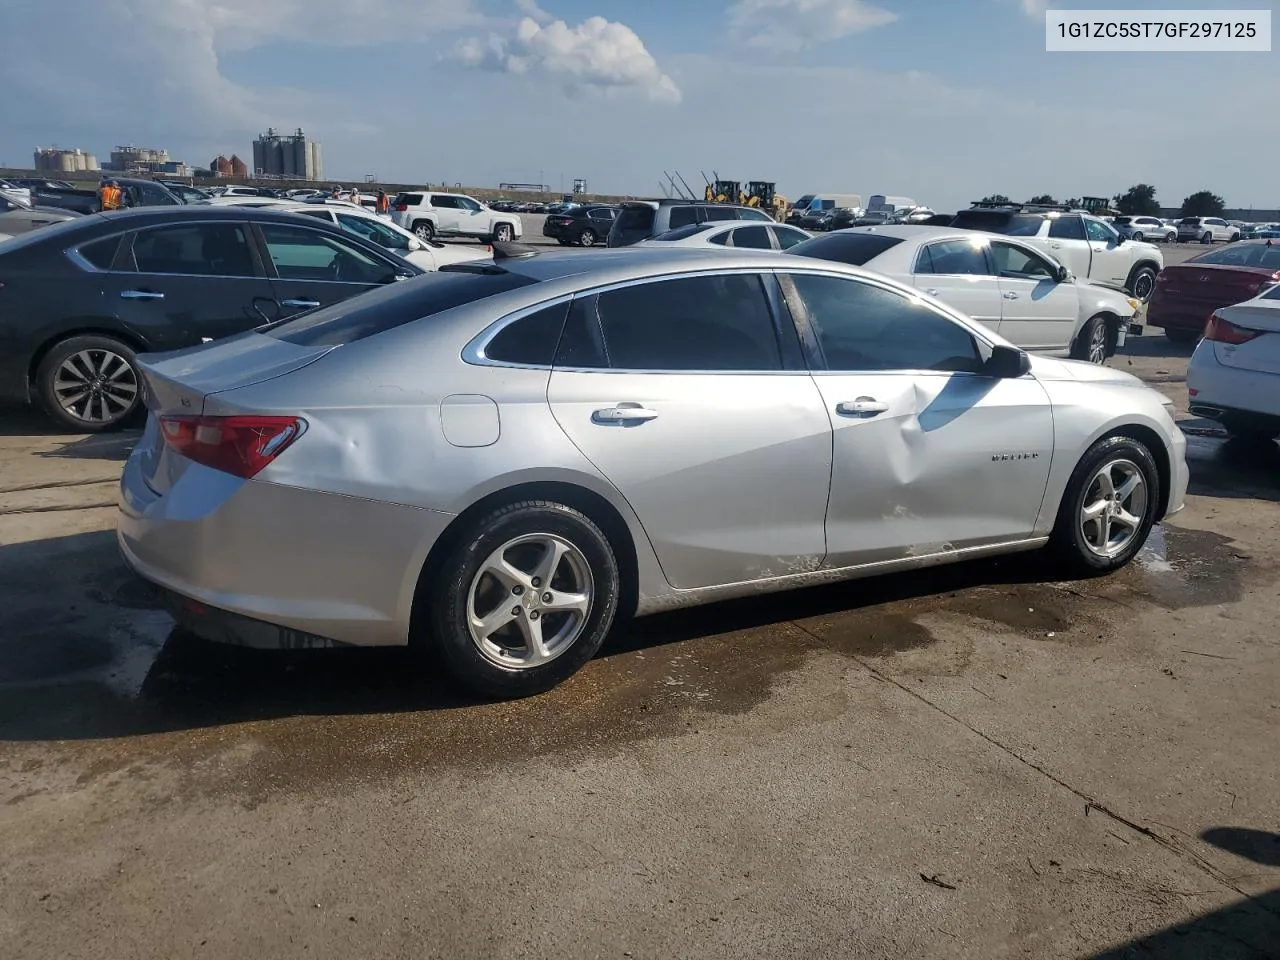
(1145, 228)
(641, 219)
(1207, 230)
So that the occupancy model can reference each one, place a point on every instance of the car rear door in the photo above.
(691, 397)
(179, 284)
(312, 268)
(930, 455)
(959, 273)
(1037, 312)
(1068, 243)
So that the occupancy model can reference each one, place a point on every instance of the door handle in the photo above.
(140, 295)
(932, 292)
(1010, 295)
(1055, 246)
(624, 413)
(862, 405)
(305, 304)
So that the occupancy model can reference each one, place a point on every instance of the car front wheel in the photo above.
(1093, 342)
(503, 233)
(524, 599)
(1108, 507)
(90, 384)
(424, 230)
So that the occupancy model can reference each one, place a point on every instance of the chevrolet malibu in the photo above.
(500, 460)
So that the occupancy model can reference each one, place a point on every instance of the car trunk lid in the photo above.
(179, 383)
(1262, 351)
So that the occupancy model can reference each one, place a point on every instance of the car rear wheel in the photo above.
(587, 238)
(1142, 283)
(424, 230)
(524, 599)
(1181, 336)
(1093, 343)
(503, 233)
(90, 384)
(1171, 237)
(1206, 238)
(1108, 508)
(1137, 235)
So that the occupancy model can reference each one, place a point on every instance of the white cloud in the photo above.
(597, 54)
(1035, 8)
(531, 9)
(796, 24)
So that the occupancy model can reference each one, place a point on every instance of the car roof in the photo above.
(635, 262)
(196, 211)
(908, 231)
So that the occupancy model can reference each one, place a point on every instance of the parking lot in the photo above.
(961, 762)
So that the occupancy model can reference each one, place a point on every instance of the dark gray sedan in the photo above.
(17, 218)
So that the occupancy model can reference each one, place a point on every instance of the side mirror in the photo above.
(1119, 239)
(1063, 275)
(413, 244)
(1006, 363)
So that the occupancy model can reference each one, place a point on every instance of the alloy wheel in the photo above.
(1115, 502)
(1143, 284)
(529, 601)
(1098, 343)
(96, 386)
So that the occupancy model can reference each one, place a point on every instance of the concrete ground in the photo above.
(966, 762)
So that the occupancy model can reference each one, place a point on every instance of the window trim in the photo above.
(125, 257)
(816, 359)
(473, 353)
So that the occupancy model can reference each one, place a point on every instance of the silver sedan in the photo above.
(500, 460)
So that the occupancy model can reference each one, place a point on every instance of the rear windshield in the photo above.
(1243, 255)
(1010, 224)
(1123, 221)
(682, 232)
(1190, 221)
(392, 306)
(854, 248)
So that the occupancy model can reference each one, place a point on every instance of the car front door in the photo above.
(1111, 260)
(930, 455)
(313, 268)
(1037, 311)
(183, 283)
(691, 397)
(473, 219)
(959, 273)
(1067, 243)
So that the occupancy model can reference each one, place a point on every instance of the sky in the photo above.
(944, 101)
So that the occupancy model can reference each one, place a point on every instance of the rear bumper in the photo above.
(295, 563)
(1221, 390)
(1176, 316)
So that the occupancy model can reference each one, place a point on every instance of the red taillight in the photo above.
(401, 207)
(1223, 331)
(241, 446)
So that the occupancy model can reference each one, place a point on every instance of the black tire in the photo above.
(1092, 336)
(503, 233)
(1067, 543)
(450, 634)
(1207, 238)
(424, 230)
(587, 238)
(1137, 236)
(1142, 283)
(98, 348)
(1176, 335)
(1251, 429)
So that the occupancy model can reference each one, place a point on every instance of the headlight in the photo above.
(1133, 304)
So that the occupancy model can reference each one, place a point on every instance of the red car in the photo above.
(1186, 294)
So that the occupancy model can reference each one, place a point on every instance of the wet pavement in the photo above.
(976, 760)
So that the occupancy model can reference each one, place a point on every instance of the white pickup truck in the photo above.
(1089, 247)
(430, 214)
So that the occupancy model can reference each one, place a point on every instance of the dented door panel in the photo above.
(951, 461)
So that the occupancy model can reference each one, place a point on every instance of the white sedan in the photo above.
(748, 235)
(1234, 375)
(1011, 287)
(427, 254)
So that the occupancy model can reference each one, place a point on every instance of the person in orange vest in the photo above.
(384, 202)
(110, 196)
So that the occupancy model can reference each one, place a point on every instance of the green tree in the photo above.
(1138, 200)
(1043, 198)
(1203, 203)
(995, 198)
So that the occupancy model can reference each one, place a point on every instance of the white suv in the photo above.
(429, 215)
(1207, 230)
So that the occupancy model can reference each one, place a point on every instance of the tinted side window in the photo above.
(101, 253)
(206, 249)
(720, 239)
(1099, 231)
(683, 216)
(788, 238)
(719, 213)
(1067, 228)
(864, 327)
(691, 323)
(532, 339)
(752, 238)
(600, 214)
(954, 257)
(1019, 264)
(749, 214)
(448, 203)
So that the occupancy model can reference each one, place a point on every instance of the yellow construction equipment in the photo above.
(761, 194)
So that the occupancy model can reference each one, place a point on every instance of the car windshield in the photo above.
(1243, 255)
(681, 232)
(852, 248)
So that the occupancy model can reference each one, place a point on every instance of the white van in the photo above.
(892, 205)
(816, 203)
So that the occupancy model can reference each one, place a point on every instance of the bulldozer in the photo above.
(764, 194)
(723, 191)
